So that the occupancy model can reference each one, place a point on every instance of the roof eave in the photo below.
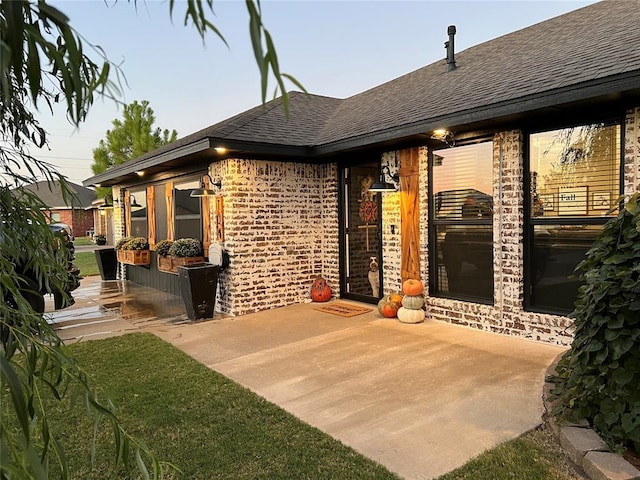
(123, 174)
(624, 84)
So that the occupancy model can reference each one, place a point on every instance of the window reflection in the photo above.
(139, 227)
(574, 171)
(557, 251)
(462, 229)
(574, 182)
(187, 215)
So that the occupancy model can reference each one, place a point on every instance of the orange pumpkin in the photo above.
(412, 287)
(320, 290)
(389, 305)
(395, 297)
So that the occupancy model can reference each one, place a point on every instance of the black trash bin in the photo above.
(198, 283)
(107, 263)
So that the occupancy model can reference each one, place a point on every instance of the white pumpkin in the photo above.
(406, 315)
(413, 302)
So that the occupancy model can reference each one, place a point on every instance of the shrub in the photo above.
(598, 378)
(162, 247)
(137, 243)
(122, 242)
(186, 247)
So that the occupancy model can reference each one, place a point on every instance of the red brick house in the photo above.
(77, 213)
(505, 157)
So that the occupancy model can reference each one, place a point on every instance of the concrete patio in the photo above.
(420, 399)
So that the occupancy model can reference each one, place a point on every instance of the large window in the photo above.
(187, 216)
(574, 179)
(139, 227)
(461, 230)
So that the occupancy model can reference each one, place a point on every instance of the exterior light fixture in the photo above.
(135, 206)
(220, 150)
(206, 192)
(107, 202)
(445, 136)
(140, 173)
(383, 185)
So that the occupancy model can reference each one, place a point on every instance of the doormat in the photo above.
(343, 309)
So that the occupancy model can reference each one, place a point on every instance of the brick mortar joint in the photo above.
(556, 428)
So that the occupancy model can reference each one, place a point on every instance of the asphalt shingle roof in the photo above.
(591, 43)
(594, 44)
(51, 195)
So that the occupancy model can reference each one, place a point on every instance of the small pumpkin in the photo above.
(320, 290)
(388, 305)
(406, 315)
(412, 287)
(395, 297)
(413, 302)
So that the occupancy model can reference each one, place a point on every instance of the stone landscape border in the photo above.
(584, 446)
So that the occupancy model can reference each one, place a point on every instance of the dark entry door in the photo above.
(361, 243)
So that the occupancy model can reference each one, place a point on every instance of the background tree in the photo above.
(130, 137)
(43, 62)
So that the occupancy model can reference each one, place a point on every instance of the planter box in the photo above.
(134, 257)
(170, 264)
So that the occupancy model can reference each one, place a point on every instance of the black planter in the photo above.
(199, 283)
(107, 263)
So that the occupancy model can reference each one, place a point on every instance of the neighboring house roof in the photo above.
(51, 195)
(593, 52)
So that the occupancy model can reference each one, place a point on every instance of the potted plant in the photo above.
(186, 251)
(165, 261)
(135, 252)
(100, 239)
(122, 242)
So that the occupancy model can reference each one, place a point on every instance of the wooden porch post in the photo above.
(409, 214)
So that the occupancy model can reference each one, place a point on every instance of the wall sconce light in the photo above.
(383, 185)
(107, 202)
(206, 192)
(444, 136)
(135, 206)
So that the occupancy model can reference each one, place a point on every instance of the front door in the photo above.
(361, 265)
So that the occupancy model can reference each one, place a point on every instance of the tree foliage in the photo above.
(130, 137)
(599, 376)
(44, 62)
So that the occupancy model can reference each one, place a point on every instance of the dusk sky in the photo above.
(334, 48)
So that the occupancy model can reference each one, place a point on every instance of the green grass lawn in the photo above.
(78, 241)
(212, 428)
(196, 419)
(86, 262)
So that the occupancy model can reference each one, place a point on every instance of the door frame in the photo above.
(342, 166)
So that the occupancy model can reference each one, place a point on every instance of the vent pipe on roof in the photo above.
(450, 46)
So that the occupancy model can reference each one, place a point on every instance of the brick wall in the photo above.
(79, 220)
(281, 230)
(632, 151)
(507, 315)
